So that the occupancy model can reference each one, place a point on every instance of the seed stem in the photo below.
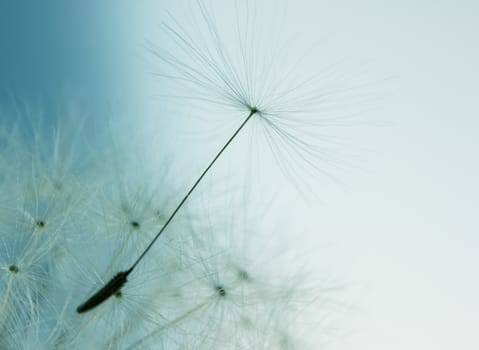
(253, 111)
(117, 282)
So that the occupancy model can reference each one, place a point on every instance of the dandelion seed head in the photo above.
(300, 114)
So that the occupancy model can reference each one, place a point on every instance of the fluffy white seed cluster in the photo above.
(70, 218)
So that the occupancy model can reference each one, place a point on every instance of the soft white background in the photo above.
(409, 224)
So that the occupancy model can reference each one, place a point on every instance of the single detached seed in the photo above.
(40, 223)
(119, 280)
(13, 268)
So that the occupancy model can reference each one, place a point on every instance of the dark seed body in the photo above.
(220, 290)
(109, 289)
(13, 268)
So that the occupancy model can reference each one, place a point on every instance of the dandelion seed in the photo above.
(117, 282)
(243, 275)
(220, 290)
(111, 288)
(13, 269)
(135, 224)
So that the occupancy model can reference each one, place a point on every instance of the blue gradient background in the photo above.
(53, 49)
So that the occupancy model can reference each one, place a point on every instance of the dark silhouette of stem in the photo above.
(118, 281)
